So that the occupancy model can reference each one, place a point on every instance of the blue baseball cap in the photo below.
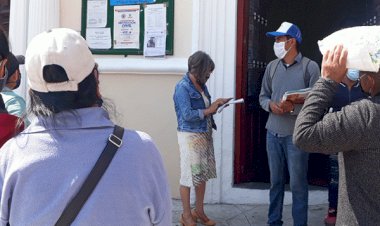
(287, 28)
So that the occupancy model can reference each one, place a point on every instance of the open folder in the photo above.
(232, 101)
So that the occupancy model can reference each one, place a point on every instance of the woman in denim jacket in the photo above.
(194, 112)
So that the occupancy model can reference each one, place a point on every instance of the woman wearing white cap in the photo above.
(44, 167)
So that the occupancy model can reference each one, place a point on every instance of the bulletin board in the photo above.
(133, 51)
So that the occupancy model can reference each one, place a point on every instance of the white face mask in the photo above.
(279, 49)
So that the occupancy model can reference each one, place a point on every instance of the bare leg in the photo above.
(199, 197)
(185, 197)
(199, 210)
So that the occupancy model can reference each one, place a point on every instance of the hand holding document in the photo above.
(232, 101)
(296, 96)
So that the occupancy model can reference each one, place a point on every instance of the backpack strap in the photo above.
(273, 68)
(305, 63)
(306, 75)
(115, 140)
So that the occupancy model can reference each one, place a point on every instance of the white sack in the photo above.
(362, 44)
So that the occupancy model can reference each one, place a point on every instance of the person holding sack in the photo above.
(353, 132)
(349, 90)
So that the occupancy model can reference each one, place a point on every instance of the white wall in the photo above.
(141, 88)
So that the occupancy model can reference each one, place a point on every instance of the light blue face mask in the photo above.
(353, 74)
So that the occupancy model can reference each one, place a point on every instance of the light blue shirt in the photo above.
(43, 168)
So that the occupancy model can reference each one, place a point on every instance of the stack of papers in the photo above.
(296, 96)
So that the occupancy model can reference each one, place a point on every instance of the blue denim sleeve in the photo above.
(182, 99)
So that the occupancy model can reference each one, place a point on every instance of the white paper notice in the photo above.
(126, 27)
(155, 30)
(98, 38)
(96, 13)
(154, 43)
(155, 17)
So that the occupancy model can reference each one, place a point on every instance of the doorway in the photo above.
(316, 20)
(4, 14)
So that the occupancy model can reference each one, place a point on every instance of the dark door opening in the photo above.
(316, 20)
(4, 14)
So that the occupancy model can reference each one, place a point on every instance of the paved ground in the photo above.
(245, 215)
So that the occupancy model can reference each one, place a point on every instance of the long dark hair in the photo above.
(50, 103)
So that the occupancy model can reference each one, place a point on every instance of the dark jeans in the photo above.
(334, 181)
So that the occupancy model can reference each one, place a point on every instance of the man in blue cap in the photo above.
(291, 71)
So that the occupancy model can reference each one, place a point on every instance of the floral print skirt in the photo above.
(197, 157)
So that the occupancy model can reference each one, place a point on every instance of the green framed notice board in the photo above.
(132, 51)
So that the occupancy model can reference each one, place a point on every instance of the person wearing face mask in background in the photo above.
(14, 103)
(195, 111)
(10, 125)
(10, 81)
(291, 71)
(349, 90)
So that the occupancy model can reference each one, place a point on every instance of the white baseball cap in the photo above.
(63, 47)
(287, 28)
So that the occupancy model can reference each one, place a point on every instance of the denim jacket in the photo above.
(189, 106)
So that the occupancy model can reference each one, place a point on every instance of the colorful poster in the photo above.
(126, 27)
(130, 2)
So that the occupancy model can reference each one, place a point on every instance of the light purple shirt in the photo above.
(44, 167)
